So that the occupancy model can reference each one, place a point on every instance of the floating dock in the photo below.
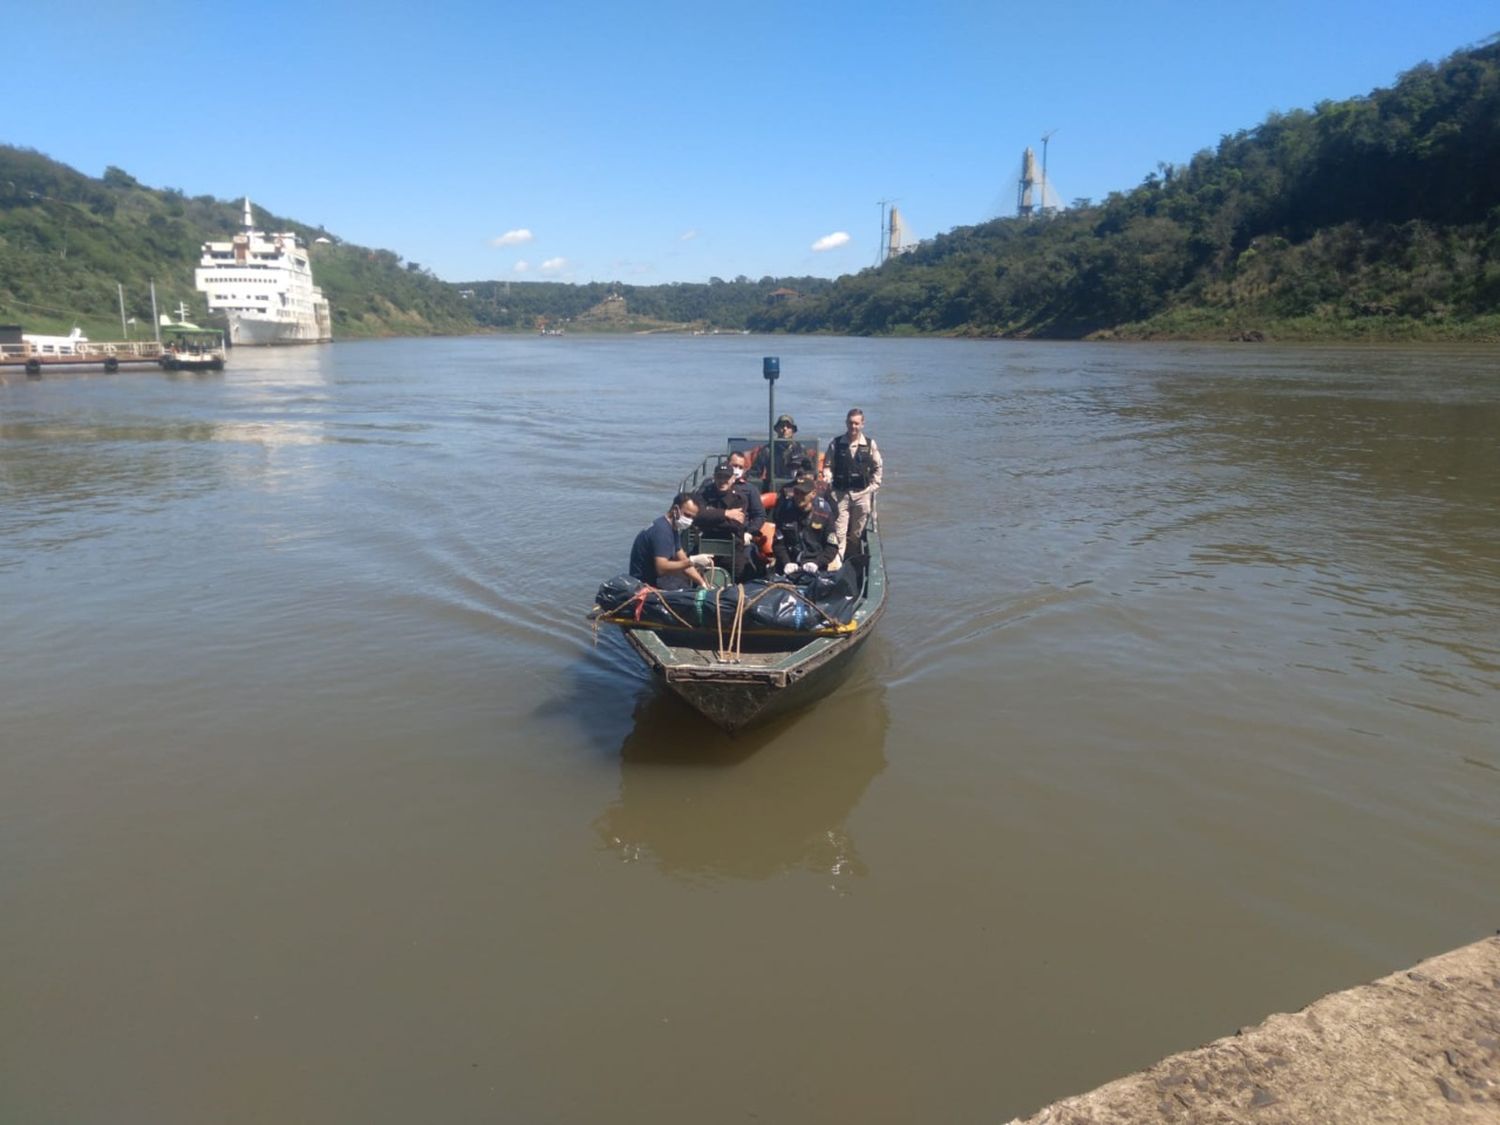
(109, 355)
(1419, 1045)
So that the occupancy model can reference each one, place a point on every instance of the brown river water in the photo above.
(319, 803)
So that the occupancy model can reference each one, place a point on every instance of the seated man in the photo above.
(729, 506)
(789, 459)
(806, 540)
(657, 557)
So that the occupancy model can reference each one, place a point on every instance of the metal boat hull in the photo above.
(737, 674)
(246, 331)
(735, 693)
(181, 363)
(736, 697)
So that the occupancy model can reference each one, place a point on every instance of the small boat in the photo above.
(74, 343)
(742, 653)
(187, 347)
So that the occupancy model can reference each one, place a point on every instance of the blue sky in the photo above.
(656, 142)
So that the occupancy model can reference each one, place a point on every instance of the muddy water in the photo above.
(318, 801)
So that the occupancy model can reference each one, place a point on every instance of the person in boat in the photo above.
(790, 456)
(854, 468)
(657, 557)
(739, 464)
(806, 536)
(729, 506)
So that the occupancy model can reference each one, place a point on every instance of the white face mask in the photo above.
(739, 471)
(683, 522)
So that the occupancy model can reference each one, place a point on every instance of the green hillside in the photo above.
(1377, 216)
(611, 306)
(67, 240)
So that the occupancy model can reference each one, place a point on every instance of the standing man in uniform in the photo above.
(855, 468)
(657, 557)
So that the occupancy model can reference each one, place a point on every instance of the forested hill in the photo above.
(67, 240)
(1375, 216)
(600, 306)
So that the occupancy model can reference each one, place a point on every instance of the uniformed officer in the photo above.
(855, 469)
(790, 456)
(806, 540)
(729, 506)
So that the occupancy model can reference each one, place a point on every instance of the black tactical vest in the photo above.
(852, 472)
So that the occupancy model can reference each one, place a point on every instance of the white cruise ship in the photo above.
(262, 285)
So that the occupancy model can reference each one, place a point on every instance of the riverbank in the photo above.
(1418, 1045)
(1383, 326)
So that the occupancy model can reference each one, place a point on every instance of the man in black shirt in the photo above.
(806, 540)
(729, 506)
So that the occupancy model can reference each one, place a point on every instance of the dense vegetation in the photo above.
(67, 240)
(1374, 216)
(1378, 215)
(717, 304)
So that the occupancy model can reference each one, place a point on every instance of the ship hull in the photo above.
(246, 331)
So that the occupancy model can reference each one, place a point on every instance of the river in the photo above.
(320, 802)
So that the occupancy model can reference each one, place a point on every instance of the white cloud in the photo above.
(687, 236)
(831, 241)
(513, 238)
(521, 266)
(554, 265)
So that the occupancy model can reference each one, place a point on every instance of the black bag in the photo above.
(775, 606)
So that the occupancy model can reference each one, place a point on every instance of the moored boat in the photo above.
(742, 653)
(187, 347)
(262, 285)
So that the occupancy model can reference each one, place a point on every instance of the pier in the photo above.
(108, 354)
(1418, 1045)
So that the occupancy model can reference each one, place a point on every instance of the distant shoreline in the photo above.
(1477, 335)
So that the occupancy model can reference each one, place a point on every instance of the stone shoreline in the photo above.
(1417, 1046)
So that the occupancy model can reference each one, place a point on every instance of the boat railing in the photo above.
(750, 447)
(138, 349)
(704, 470)
(85, 349)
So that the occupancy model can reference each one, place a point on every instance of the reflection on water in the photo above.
(696, 801)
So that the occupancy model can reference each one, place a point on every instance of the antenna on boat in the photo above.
(770, 369)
